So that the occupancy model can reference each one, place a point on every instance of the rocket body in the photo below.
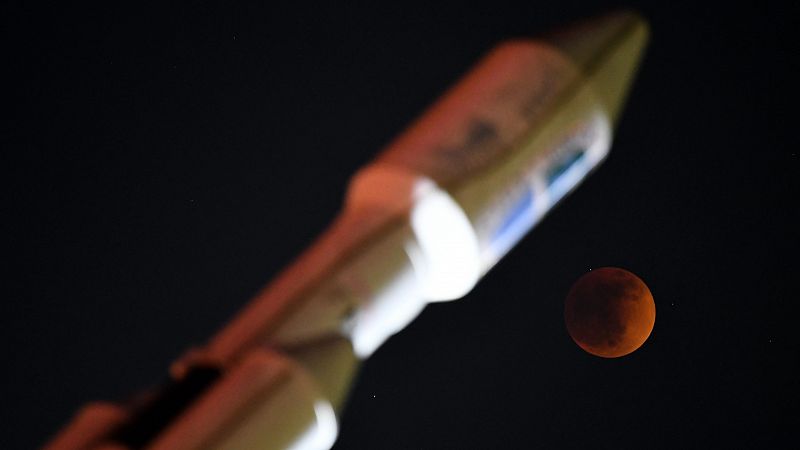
(433, 213)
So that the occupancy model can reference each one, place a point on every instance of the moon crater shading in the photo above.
(609, 312)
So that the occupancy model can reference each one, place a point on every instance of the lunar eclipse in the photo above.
(609, 312)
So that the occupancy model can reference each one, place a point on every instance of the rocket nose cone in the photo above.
(607, 49)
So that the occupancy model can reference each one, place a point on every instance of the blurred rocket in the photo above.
(422, 223)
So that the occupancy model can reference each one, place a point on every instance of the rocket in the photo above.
(421, 223)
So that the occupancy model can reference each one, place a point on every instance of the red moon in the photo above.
(609, 312)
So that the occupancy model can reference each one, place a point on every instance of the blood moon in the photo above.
(609, 312)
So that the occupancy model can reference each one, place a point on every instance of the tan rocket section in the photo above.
(607, 50)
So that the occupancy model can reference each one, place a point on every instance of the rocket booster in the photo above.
(423, 222)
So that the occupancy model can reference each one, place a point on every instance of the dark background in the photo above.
(164, 163)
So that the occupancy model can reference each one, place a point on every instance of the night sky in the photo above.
(164, 164)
